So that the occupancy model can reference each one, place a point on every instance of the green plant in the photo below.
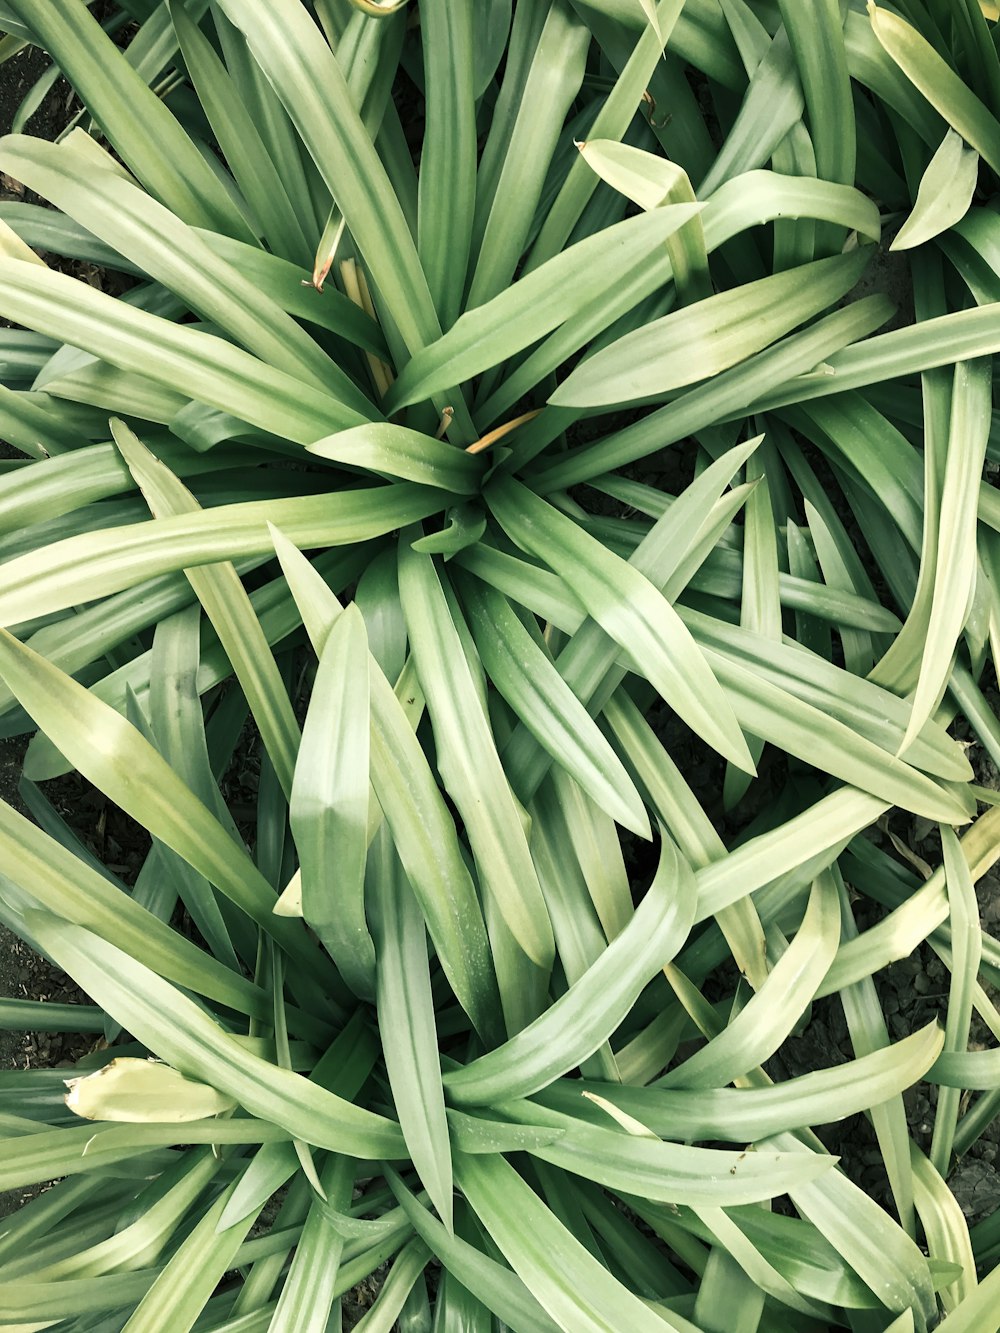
(457, 426)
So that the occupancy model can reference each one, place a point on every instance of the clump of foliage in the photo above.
(493, 404)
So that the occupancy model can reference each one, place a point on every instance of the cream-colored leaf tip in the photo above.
(141, 1092)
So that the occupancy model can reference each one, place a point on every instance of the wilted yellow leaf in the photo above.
(143, 1091)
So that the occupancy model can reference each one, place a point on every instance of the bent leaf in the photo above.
(944, 196)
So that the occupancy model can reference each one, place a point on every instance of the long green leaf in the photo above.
(134, 119)
(770, 1015)
(406, 1022)
(526, 677)
(211, 370)
(227, 605)
(64, 885)
(956, 566)
(537, 304)
(967, 946)
(933, 76)
(495, 1285)
(308, 1294)
(95, 564)
(184, 1035)
(709, 336)
(741, 1114)
(567, 1281)
(396, 451)
(628, 608)
(307, 77)
(587, 1014)
(328, 810)
(238, 137)
(447, 189)
(467, 757)
(117, 759)
(422, 828)
(158, 243)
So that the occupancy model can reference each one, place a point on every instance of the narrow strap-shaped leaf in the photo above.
(933, 76)
(814, 838)
(628, 608)
(227, 605)
(328, 810)
(867, 709)
(344, 1068)
(307, 77)
(536, 304)
(398, 1283)
(565, 1278)
(553, 81)
(172, 253)
(770, 1015)
(818, 45)
(771, 108)
(212, 371)
(530, 683)
(760, 604)
(467, 756)
(175, 708)
(496, 1286)
(941, 340)
(406, 1022)
(306, 193)
(396, 451)
(945, 1227)
(307, 1296)
(876, 1247)
(593, 1007)
(955, 566)
(978, 1308)
(447, 196)
(422, 828)
(232, 122)
(283, 283)
(61, 883)
(578, 930)
(799, 728)
(586, 661)
(173, 728)
(738, 1115)
(186, 1037)
(187, 1280)
(721, 398)
(136, 777)
(95, 564)
(967, 947)
(611, 123)
(134, 119)
(709, 336)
